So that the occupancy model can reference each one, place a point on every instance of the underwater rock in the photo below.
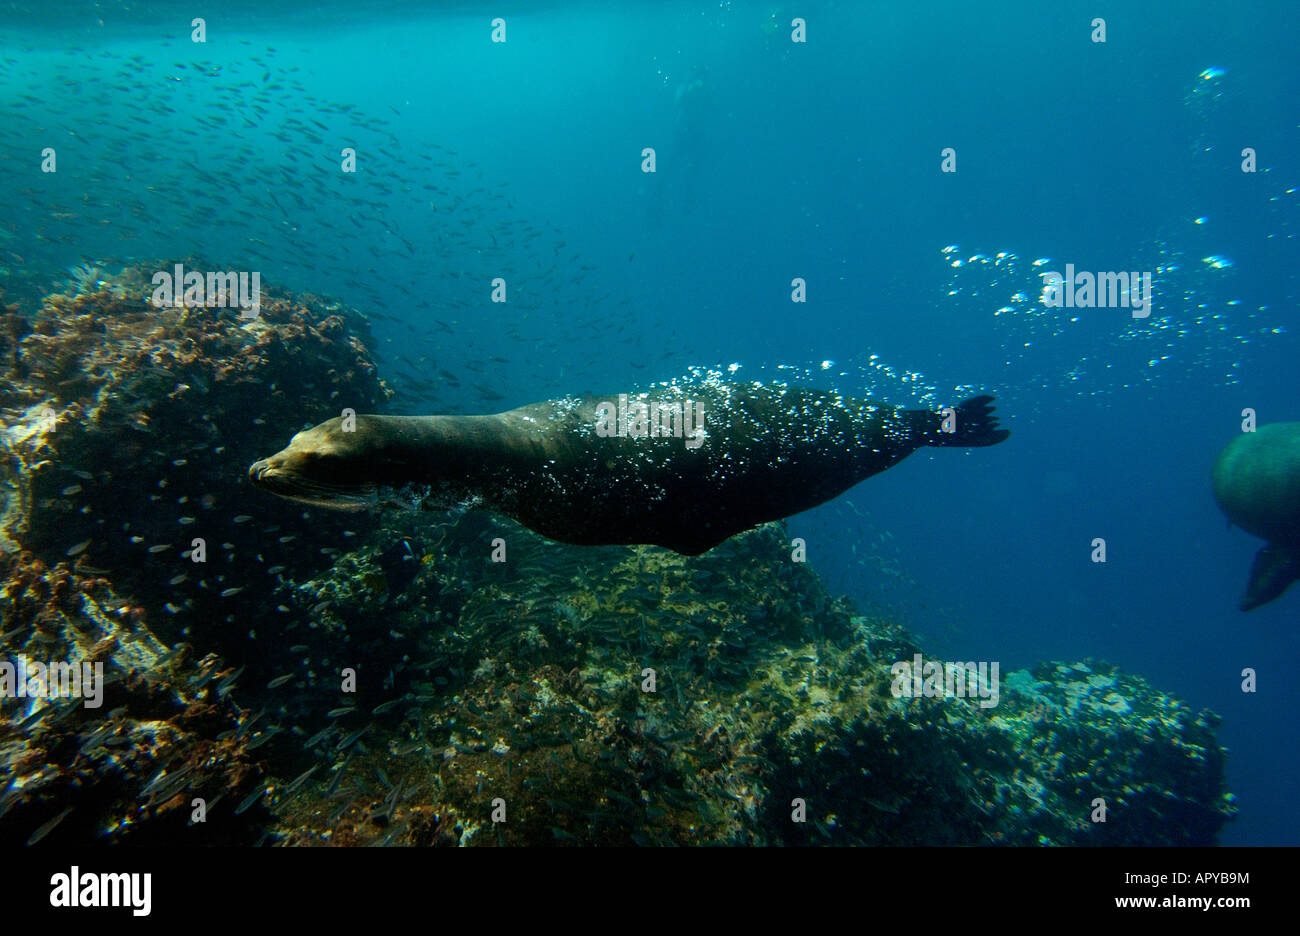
(122, 428)
(150, 731)
(521, 687)
(1029, 771)
(126, 428)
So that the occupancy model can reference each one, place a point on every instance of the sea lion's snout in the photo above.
(319, 466)
(270, 475)
(256, 470)
(277, 469)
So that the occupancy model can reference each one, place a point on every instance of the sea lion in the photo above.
(1256, 481)
(684, 467)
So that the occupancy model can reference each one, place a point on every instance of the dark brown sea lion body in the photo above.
(765, 452)
(1256, 481)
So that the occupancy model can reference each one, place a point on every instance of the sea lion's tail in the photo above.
(973, 425)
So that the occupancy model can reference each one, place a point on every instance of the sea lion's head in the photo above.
(343, 464)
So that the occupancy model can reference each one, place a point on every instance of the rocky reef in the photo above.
(127, 430)
(128, 763)
(525, 685)
(421, 679)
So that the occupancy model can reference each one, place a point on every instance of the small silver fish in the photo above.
(250, 800)
(351, 739)
(318, 737)
(48, 827)
(78, 549)
(302, 778)
(262, 738)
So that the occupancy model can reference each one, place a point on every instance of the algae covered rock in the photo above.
(631, 695)
(145, 734)
(127, 429)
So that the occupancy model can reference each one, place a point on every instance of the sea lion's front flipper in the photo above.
(1275, 568)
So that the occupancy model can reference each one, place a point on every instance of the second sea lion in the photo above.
(1256, 482)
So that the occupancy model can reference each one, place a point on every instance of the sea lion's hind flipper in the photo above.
(1275, 568)
(974, 425)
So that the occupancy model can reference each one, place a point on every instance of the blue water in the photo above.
(776, 160)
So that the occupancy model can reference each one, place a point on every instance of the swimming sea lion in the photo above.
(1257, 484)
(683, 467)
